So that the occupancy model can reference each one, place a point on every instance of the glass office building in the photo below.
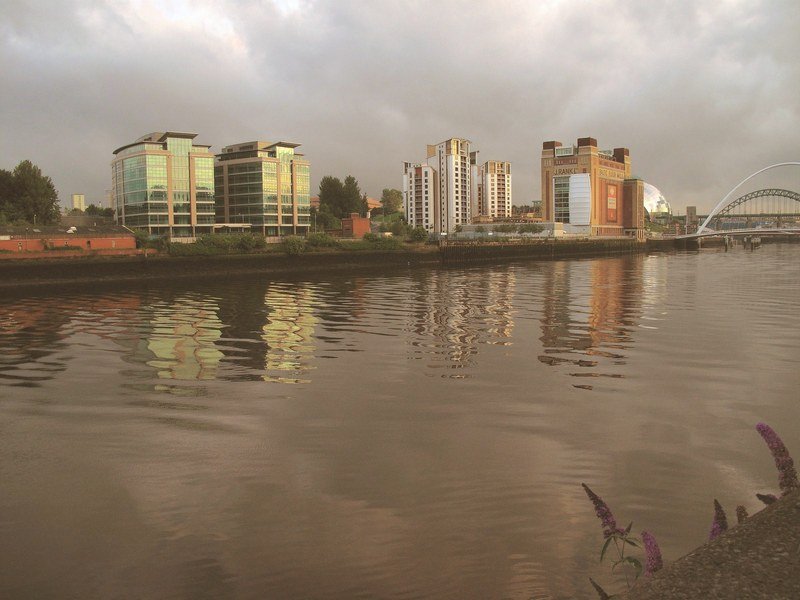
(164, 183)
(264, 185)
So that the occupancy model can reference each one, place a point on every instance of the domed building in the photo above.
(655, 204)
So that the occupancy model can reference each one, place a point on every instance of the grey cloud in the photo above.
(702, 93)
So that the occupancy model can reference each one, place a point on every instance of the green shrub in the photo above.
(293, 245)
(248, 242)
(506, 228)
(213, 243)
(390, 243)
(321, 240)
(531, 228)
(419, 234)
(372, 242)
(399, 228)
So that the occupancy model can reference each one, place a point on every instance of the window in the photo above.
(561, 199)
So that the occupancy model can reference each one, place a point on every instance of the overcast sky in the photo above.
(703, 93)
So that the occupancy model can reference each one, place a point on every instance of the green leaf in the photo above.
(631, 541)
(636, 564)
(605, 547)
(628, 528)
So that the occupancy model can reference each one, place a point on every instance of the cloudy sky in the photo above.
(702, 92)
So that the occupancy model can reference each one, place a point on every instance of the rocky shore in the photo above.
(759, 559)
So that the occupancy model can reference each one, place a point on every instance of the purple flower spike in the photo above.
(767, 498)
(741, 514)
(607, 519)
(787, 476)
(653, 554)
(720, 523)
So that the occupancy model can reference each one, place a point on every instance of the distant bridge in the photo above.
(727, 208)
(753, 231)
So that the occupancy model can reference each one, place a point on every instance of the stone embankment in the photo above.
(98, 269)
(759, 559)
(469, 252)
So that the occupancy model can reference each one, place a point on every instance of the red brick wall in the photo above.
(34, 244)
(355, 227)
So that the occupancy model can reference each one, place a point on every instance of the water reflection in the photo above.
(289, 333)
(183, 337)
(452, 313)
(427, 452)
(271, 331)
(590, 309)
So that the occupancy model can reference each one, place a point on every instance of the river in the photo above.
(420, 434)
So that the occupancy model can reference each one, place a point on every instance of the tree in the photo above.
(351, 199)
(8, 206)
(35, 195)
(97, 211)
(364, 205)
(323, 218)
(342, 199)
(331, 192)
(392, 200)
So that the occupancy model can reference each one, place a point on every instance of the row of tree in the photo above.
(27, 195)
(93, 211)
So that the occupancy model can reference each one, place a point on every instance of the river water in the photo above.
(421, 434)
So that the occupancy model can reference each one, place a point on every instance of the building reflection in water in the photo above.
(454, 312)
(260, 332)
(34, 331)
(589, 310)
(289, 333)
(183, 338)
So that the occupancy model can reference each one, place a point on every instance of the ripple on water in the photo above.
(420, 434)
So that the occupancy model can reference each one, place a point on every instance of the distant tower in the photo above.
(78, 202)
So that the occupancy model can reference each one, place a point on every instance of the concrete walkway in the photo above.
(757, 559)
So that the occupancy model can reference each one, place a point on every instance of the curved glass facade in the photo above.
(654, 202)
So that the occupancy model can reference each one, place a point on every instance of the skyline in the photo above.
(702, 94)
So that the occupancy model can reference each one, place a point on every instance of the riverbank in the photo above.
(92, 269)
(758, 559)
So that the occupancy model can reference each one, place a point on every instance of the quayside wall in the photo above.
(466, 252)
(95, 269)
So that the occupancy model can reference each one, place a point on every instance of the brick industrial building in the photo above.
(591, 191)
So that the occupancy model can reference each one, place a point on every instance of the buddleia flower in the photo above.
(720, 523)
(741, 514)
(607, 520)
(787, 476)
(652, 553)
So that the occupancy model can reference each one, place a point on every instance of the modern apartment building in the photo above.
(420, 196)
(437, 192)
(590, 190)
(164, 183)
(491, 189)
(78, 202)
(265, 185)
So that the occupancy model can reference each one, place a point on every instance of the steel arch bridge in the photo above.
(724, 204)
(765, 193)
